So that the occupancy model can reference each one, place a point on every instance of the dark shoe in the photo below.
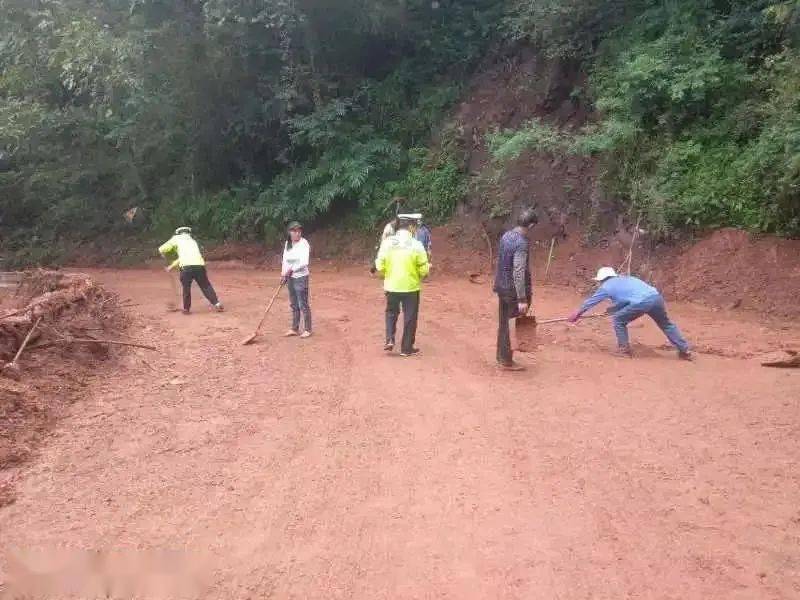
(688, 356)
(388, 346)
(625, 351)
(412, 352)
(515, 367)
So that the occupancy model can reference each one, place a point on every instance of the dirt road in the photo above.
(326, 469)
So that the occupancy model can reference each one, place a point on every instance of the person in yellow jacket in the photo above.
(192, 267)
(403, 263)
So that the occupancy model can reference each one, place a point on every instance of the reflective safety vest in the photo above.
(403, 262)
(186, 248)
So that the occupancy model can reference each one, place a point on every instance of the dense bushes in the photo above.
(233, 116)
(237, 116)
(699, 106)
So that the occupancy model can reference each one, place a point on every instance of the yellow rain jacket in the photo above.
(186, 248)
(403, 262)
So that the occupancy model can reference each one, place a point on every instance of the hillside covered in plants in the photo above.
(236, 116)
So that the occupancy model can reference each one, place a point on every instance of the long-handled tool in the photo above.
(251, 338)
(564, 319)
(525, 329)
(173, 306)
(12, 369)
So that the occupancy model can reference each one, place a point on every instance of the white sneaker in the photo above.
(305, 335)
(218, 306)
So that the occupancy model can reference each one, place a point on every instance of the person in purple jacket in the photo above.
(632, 298)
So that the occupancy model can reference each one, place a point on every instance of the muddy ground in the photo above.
(326, 469)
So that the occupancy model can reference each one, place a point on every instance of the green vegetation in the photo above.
(236, 116)
(229, 115)
(699, 105)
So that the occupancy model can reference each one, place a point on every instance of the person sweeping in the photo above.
(632, 298)
(295, 274)
(192, 267)
(403, 263)
(512, 284)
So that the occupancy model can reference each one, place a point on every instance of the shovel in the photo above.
(251, 338)
(525, 329)
(565, 319)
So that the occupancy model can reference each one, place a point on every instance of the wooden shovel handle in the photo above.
(269, 306)
(564, 319)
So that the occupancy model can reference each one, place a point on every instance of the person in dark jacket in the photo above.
(512, 283)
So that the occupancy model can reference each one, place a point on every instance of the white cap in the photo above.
(410, 216)
(181, 230)
(604, 273)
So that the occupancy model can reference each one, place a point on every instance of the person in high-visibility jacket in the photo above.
(192, 267)
(403, 263)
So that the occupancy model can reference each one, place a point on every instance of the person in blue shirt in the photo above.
(631, 298)
(423, 235)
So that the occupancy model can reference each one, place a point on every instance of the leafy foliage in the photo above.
(700, 105)
(534, 135)
(237, 115)
(229, 115)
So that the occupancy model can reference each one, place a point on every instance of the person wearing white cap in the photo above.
(403, 264)
(632, 298)
(192, 267)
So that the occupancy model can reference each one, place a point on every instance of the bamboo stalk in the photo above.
(488, 247)
(629, 258)
(549, 257)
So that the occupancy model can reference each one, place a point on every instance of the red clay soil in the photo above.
(727, 269)
(324, 468)
(730, 268)
(52, 375)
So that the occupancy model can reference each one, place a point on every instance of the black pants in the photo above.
(198, 274)
(508, 310)
(409, 301)
(298, 300)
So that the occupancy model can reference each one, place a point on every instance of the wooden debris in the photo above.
(783, 359)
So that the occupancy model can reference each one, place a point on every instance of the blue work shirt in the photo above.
(621, 290)
(424, 237)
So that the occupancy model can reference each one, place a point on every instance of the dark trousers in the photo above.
(409, 301)
(507, 310)
(198, 274)
(298, 300)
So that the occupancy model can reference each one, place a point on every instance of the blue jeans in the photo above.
(298, 300)
(653, 307)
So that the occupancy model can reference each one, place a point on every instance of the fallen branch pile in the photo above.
(68, 308)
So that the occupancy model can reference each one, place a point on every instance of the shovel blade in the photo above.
(526, 333)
